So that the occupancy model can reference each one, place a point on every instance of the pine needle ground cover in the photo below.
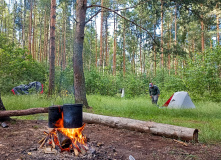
(205, 117)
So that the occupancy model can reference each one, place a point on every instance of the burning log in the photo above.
(58, 139)
(166, 130)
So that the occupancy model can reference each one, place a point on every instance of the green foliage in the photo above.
(200, 77)
(17, 67)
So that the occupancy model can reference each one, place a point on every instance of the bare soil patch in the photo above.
(20, 141)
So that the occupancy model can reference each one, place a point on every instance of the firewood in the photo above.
(46, 139)
(64, 141)
(83, 151)
(50, 150)
(41, 140)
(183, 143)
(52, 142)
(76, 152)
(46, 133)
(85, 147)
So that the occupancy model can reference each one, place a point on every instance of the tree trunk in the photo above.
(114, 49)
(154, 50)
(52, 48)
(45, 35)
(2, 108)
(79, 80)
(169, 43)
(101, 34)
(166, 130)
(202, 34)
(202, 31)
(30, 27)
(133, 61)
(14, 17)
(64, 38)
(176, 56)
(23, 26)
(124, 49)
(106, 42)
(140, 51)
(161, 34)
(95, 43)
(33, 37)
(39, 41)
(217, 26)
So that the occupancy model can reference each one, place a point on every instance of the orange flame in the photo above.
(75, 134)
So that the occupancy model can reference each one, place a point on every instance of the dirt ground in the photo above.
(20, 141)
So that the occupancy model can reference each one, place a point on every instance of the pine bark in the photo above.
(64, 39)
(176, 56)
(45, 35)
(33, 37)
(101, 34)
(106, 43)
(52, 48)
(202, 32)
(114, 49)
(23, 25)
(140, 51)
(96, 44)
(124, 49)
(161, 34)
(79, 79)
(2, 109)
(30, 27)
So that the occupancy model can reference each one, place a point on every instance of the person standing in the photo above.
(154, 93)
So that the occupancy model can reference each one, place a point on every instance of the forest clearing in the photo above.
(110, 79)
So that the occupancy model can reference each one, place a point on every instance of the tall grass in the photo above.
(206, 117)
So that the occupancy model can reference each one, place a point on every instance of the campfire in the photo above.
(65, 123)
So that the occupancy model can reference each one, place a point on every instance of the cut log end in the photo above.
(195, 135)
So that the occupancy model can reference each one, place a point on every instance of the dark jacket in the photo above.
(154, 90)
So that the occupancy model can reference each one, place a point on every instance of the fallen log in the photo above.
(9, 113)
(166, 130)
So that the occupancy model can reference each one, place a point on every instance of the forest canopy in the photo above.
(127, 44)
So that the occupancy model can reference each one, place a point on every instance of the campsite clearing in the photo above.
(20, 141)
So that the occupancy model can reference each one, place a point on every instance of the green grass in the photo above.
(206, 117)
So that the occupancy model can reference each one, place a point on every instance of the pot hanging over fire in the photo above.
(54, 114)
(72, 115)
(69, 115)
